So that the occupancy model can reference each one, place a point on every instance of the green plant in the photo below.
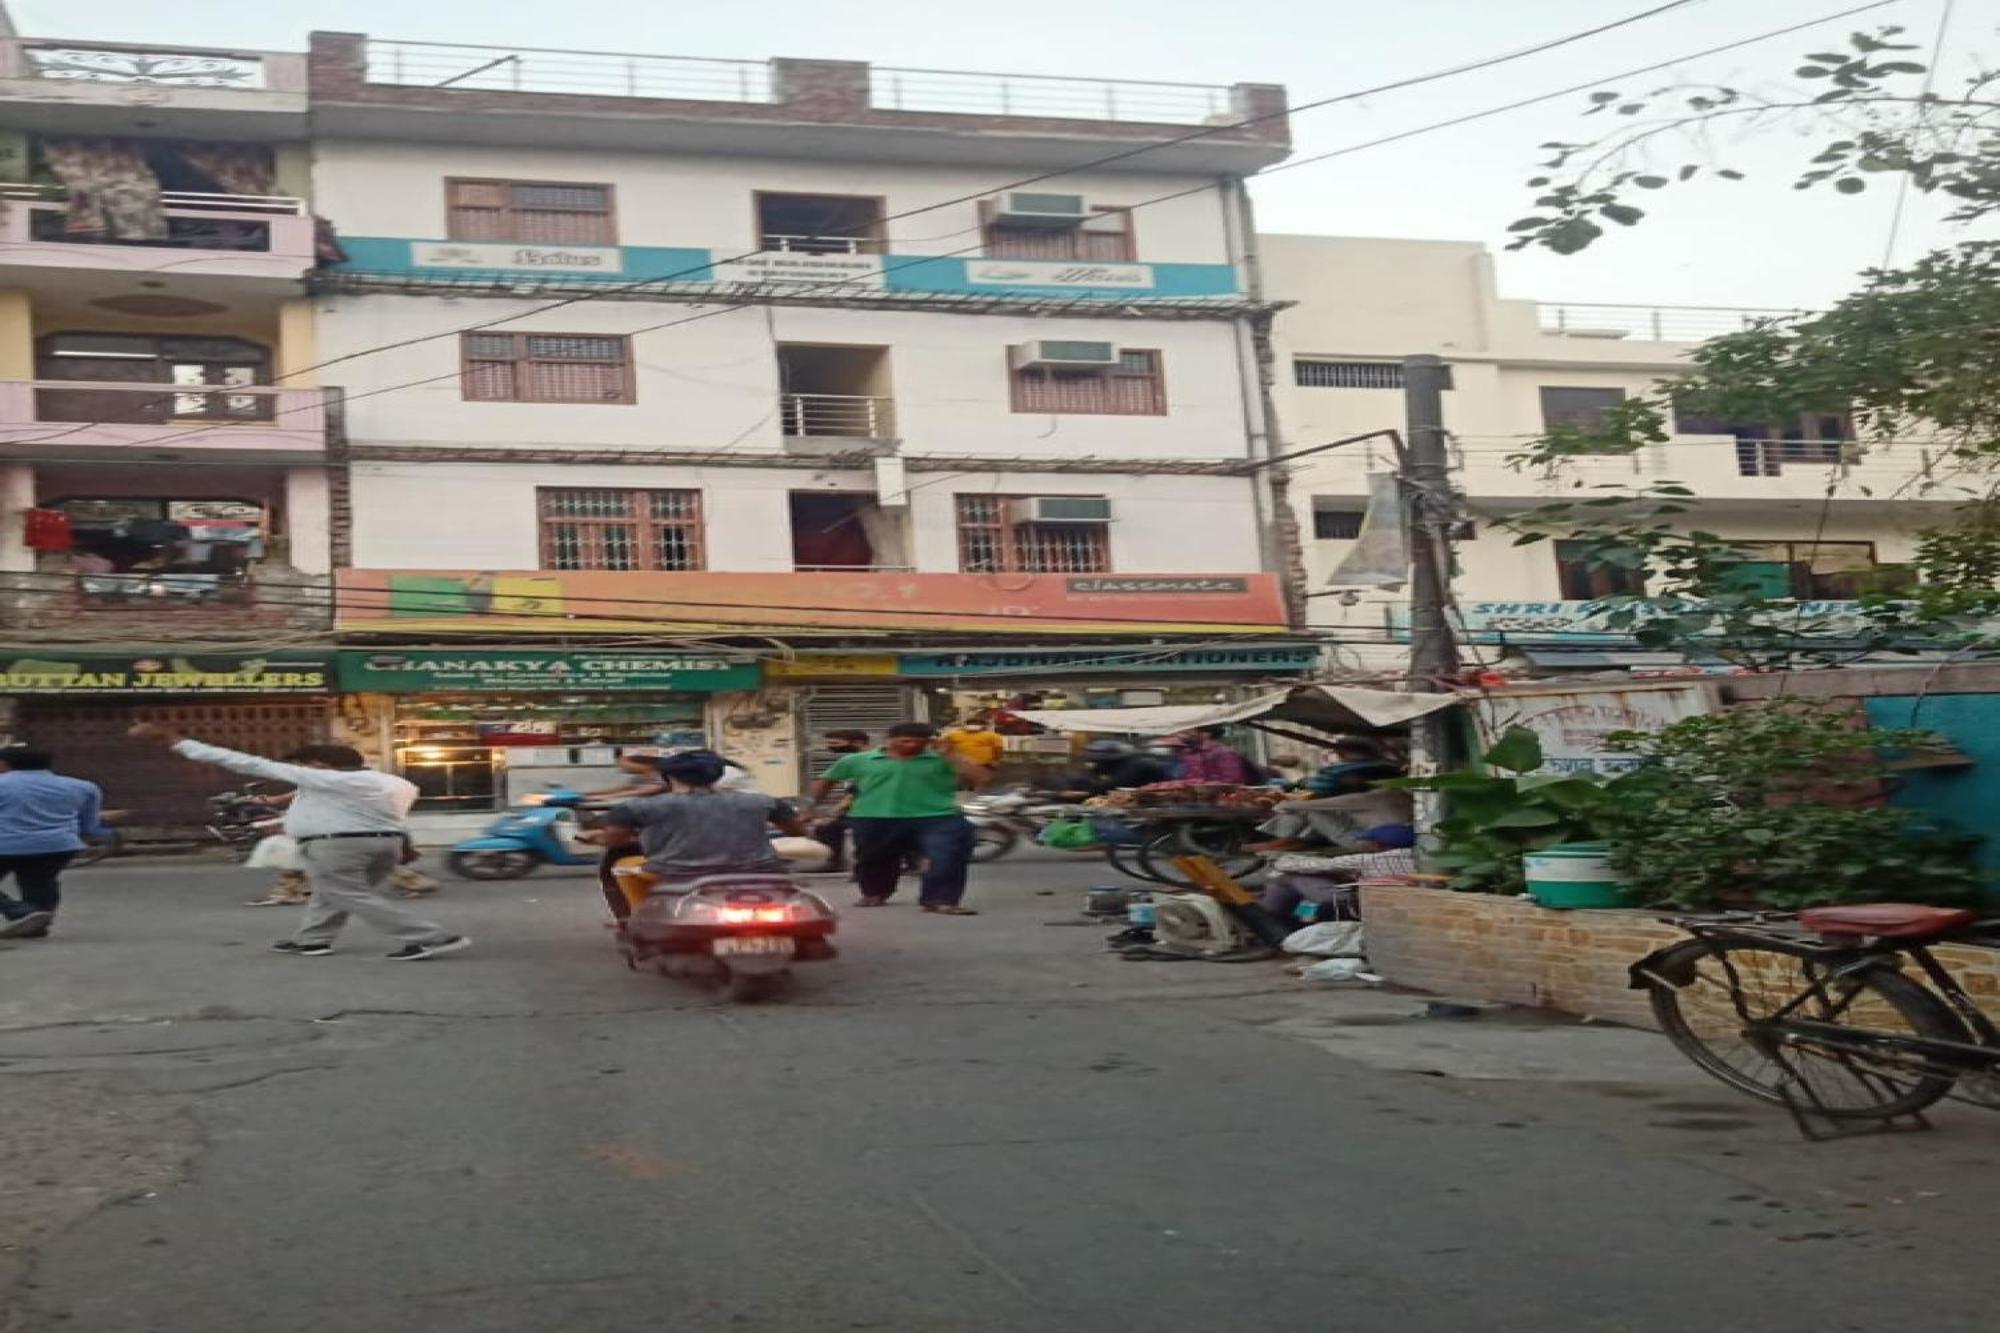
(1493, 818)
(1772, 805)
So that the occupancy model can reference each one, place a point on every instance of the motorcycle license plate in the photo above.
(758, 945)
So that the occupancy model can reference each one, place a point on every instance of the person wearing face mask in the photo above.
(833, 829)
(975, 742)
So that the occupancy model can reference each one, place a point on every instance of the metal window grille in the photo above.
(991, 540)
(547, 368)
(530, 213)
(1132, 388)
(1347, 374)
(1337, 524)
(619, 529)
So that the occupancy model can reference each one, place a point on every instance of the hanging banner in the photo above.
(1278, 660)
(1575, 725)
(1380, 556)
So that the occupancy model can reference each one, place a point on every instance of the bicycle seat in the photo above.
(1887, 921)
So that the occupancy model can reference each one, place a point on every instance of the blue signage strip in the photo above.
(476, 262)
(1276, 660)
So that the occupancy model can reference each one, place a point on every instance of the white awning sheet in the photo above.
(1330, 708)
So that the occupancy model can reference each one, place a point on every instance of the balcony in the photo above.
(80, 418)
(216, 235)
(839, 415)
(89, 87)
(798, 108)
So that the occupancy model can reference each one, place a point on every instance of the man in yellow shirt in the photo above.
(974, 742)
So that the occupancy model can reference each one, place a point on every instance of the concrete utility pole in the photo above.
(1427, 509)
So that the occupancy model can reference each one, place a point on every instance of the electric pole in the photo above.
(1428, 517)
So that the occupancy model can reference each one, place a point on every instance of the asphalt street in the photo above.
(983, 1125)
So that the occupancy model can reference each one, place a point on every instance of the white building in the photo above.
(1516, 368)
(800, 356)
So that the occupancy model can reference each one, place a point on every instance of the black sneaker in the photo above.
(411, 953)
(27, 927)
(303, 950)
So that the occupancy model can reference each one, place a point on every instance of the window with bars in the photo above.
(547, 368)
(530, 212)
(1133, 387)
(1347, 374)
(1105, 236)
(993, 538)
(1337, 525)
(616, 529)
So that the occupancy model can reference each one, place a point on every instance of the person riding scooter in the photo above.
(1115, 764)
(694, 830)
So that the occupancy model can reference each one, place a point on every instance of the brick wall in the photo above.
(1479, 946)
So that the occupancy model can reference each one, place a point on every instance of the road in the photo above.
(982, 1125)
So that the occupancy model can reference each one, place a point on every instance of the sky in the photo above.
(1753, 243)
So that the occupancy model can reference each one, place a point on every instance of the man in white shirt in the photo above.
(348, 822)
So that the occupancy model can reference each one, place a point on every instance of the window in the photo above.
(1133, 387)
(820, 224)
(1337, 525)
(1583, 579)
(547, 368)
(1816, 571)
(611, 529)
(1347, 374)
(1105, 236)
(1578, 409)
(992, 538)
(1763, 450)
(533, 212)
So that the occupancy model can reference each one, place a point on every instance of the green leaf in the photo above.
(1623, 214)
(1525, 817)
(1651, 182)
(1812, 72)
(1728, 174)
(1518, 750)
(1850, 185)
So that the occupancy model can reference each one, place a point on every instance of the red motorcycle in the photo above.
(739, 932)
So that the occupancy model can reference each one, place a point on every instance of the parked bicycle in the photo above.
(1820, 1012)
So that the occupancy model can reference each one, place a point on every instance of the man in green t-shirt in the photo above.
(906, 801)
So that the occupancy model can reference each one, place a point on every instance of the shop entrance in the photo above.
(159, 789)
(869, 708)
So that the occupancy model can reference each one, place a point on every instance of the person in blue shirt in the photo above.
(44, 819)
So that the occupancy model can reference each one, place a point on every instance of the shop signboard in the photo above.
(1573, 623)
(166, 673)
(446, 671)
(1274, 660)
(1575, 725)
(580, 602)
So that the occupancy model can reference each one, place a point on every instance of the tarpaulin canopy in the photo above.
(1329, 708)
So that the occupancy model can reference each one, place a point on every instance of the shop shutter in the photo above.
(869, 708)
(159, 789)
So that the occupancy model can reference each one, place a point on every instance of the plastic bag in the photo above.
(276, 852)
(1338, 969)
(1070, 835)
(1327, 939)
(802, 851)
(1116, 832)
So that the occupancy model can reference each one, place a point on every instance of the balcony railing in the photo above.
(818, 245)
(854, 415)
(590, 73)
(1664, 323)
(55, 414)
(1040, 95)
(194, 221)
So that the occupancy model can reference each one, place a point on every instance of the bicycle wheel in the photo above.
(1721, 1018)
(1124, 858)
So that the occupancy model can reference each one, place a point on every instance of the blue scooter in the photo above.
(531, 834)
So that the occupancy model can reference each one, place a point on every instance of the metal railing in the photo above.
(1661, 323)
(817, 245)
(590, 73)
(174, 200)
(180, 67)
(856, 415)
(970, 92)
(854, 569)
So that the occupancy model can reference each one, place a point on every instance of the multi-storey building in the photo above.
(164, 489)
(1817, 521)
(673, 396)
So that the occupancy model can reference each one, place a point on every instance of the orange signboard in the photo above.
(622, 602)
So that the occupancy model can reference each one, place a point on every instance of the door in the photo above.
(156, 787)
(869, 708)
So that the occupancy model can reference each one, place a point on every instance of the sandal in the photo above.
(872, 902)
(949, 910)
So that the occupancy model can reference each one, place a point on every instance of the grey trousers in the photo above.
(347, 877)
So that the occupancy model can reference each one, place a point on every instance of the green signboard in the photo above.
(423, 672)
(56, 672)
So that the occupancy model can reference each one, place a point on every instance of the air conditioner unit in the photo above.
(1063, 509)
(1024, 209)
(1064, 353)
